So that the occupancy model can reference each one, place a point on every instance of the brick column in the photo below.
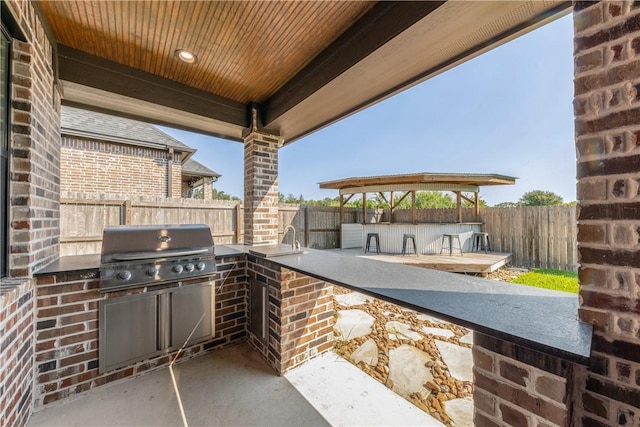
(34, 209)
(260, 188)
(207, 190)
(607, 111)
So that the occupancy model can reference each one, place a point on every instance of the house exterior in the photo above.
(326, 67)
(112, 155)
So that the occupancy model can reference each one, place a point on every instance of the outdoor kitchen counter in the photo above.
(539, 319)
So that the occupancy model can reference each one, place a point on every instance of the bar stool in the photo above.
(450, 237)
(480, 241)
(407, 237)
(370, 236)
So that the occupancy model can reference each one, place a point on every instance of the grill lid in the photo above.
(129, 243)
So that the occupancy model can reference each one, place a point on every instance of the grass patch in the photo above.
(558, 280)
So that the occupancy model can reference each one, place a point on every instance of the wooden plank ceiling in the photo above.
(301, 65)
(246, 50)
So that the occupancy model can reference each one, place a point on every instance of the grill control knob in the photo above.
(189, 267)
(124, 275)
(152, 271)
(177, 268)
(200, 266)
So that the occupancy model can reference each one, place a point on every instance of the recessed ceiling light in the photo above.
(186, 56)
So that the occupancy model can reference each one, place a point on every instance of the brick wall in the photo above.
(518, 387)
(92, 166)
(16, 352)
(301, 315)
(260, 189)
(176, 179)
(34, 147)
(66, 342)
(607, 111)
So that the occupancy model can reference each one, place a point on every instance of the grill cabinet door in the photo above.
(128, 329)
(191, 314)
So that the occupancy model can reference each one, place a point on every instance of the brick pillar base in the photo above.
(300, 315)
(516, 386)
(260, 188)
(16, 352)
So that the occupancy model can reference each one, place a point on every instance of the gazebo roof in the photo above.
(423, 181)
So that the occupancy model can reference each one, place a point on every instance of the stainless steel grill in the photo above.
(134, 256)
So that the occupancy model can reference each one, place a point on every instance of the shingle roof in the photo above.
(102, 126)
(193, 168)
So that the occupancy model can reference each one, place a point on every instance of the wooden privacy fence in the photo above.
(541, 237)
(83, 218)
(536, 236)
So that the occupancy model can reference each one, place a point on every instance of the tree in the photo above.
(540, 198)
(506, 205)
(290, 198)
(327, 201)
(428, 200)
(221, 195)
(371, 204)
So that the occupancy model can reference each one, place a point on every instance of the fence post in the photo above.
(306, 226)
(127, 212)
(238, 222)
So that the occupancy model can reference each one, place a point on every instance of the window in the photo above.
(4, 152)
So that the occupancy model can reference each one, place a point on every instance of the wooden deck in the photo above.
(470, 262)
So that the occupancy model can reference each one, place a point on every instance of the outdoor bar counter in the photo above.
(428, 235)
(543, 320)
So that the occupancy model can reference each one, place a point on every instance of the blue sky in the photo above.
(508, 112)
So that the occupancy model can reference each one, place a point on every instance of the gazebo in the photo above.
(408, 185)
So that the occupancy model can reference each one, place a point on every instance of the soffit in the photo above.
(302, 65)
(452, 34)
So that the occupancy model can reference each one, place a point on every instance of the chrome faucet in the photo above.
(294, 243)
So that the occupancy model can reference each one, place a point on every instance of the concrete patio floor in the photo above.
(235, 387)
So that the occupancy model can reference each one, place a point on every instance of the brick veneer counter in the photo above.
(540, 319)
(92, 262)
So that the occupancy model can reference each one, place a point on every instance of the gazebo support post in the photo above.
(459, 205)
(476, 204)
(341, 220)
(364, 208)
(413, 207)
(391, 207)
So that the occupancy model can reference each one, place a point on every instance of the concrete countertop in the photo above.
(92, 262)
(540, 319)
(71, 263)
(422, 223)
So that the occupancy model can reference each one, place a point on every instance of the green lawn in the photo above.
(565, 281)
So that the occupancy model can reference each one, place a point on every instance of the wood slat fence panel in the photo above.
(538, 237)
